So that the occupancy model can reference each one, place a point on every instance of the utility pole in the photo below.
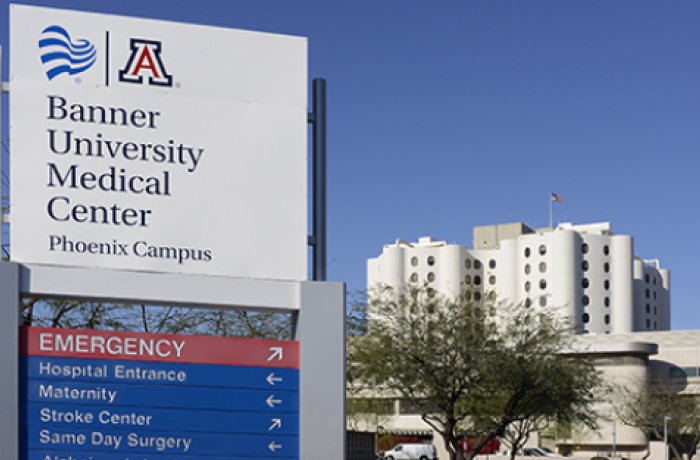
(666, 420)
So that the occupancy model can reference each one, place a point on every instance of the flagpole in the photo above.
(551, 217)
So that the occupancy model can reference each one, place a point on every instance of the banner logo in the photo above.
(145, 64)
(61, 55)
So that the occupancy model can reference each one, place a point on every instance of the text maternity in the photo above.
(110, 178)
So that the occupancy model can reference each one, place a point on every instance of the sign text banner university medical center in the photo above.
(151, 145)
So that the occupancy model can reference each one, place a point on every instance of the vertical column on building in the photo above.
(564, 274)
(621, 266)
(392, 268)
(638, 301)
(665, 300)
(450, 263)
(509, 267)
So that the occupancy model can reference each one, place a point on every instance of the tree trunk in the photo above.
(459, 452)
(518, 443)
(451, 442)
(676, 454)
(448, 445)
(480, 445)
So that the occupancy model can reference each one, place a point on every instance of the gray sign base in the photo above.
(319, 325)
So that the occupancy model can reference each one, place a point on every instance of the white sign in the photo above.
(151, 145)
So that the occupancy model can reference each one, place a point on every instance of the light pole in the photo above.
(666, 419)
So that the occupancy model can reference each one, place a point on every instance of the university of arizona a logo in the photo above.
(60, 54)
(145, 64)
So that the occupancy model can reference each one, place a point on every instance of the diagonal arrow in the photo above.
(272, 379)
(276, 423)
(273, 446)
(271, 401)
(276, 353)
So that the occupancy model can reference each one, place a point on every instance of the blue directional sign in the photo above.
(95, 395)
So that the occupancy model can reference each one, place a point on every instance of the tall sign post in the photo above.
(163, 163)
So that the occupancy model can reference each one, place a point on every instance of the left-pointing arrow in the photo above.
(273, 446)
(271, 401)
(275, 353)
(276, 424)
(272, 379)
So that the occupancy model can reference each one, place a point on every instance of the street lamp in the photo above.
(666, 420)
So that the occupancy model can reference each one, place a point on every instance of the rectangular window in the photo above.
(676, 373)
(691, 371)
(407, 407)
(370, 406)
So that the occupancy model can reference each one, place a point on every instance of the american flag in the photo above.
(557, 198)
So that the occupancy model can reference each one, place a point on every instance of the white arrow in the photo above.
(273, 446)
(272, 379)
(276, 423)
(271, 401)
(277, 352)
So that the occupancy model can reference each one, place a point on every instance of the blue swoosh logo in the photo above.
(60, 54)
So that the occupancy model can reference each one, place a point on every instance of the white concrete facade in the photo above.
(589, 273)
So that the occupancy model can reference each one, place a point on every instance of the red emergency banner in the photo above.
(139, 346)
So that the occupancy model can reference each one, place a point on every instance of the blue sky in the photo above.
(446, 115)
